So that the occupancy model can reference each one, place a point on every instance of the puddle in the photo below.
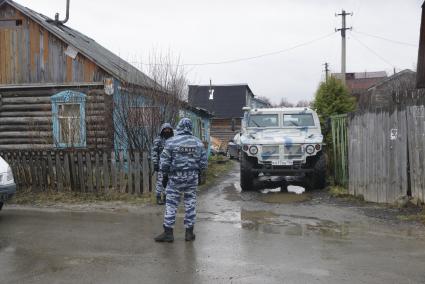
(284, 198)
(256, 216)
(231, 192)
(264, 221)
(330, 229)
(223, 217)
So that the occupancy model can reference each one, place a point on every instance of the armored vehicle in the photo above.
(285, 142)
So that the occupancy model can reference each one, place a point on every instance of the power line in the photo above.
(386, 39)
(372, 51)
(244, 58)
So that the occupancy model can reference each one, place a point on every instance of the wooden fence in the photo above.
(81, 171)
(377, 151)
(386, 142)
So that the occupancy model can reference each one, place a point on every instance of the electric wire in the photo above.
(373, 52)
(244, 58)
(386, 39)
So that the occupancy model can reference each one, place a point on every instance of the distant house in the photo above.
(359, 82)
(225, 102)
(60, 88)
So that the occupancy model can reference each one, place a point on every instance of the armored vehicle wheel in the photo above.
(247, 178)
(317, 179)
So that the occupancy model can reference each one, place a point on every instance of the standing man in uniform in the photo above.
(165, 133)
(183, 159)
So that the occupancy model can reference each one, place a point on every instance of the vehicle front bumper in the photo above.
(7, 191)
(282, 171)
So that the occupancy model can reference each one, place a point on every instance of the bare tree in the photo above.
(303, 103)
(285, 103)
(140, 111)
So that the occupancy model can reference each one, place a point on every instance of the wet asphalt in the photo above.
(249, 237)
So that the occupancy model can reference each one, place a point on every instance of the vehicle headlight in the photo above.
(253, 150)
(309, 149)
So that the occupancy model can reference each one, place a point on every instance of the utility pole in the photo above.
(326, 71)
(343, 46)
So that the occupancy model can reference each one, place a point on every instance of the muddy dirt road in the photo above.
(249, 237)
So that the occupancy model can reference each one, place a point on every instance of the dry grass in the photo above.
(217, 166)
(338, 191)
(51, 198)
(419, 217)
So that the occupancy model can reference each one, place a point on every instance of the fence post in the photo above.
(89, 172)
(113, 171)
(105, 172)
(122, 172)
(81, 179)
(98, 167)
(130, 173)
(145, 169)
(137, 172)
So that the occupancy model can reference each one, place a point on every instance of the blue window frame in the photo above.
(69, 119)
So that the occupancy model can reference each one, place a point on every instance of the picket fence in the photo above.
(81, 171)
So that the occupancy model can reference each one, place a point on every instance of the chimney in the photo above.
(57, 21)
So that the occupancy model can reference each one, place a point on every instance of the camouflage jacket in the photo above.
(183, 152)
(158, 145)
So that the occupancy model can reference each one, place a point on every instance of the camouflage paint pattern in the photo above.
(184, 156)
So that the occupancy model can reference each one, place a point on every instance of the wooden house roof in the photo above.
(105, 59)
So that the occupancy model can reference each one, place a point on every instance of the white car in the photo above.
(7, 183)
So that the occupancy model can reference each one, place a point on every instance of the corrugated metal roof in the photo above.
(88, 47)
(361, 75)
(405, 72)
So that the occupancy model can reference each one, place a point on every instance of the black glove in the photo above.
(201, 179)
(164, 180)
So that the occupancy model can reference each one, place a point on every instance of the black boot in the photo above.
(189, 236)
(159, 200)
(167, 236)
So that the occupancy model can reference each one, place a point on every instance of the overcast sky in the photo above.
(201, 31)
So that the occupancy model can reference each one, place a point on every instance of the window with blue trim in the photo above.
(69, 121)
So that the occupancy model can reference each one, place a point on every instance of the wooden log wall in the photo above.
(222, 129)
(26, 119)
(80, 171)
(30, 54)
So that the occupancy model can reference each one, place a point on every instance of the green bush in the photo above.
(332, 98)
